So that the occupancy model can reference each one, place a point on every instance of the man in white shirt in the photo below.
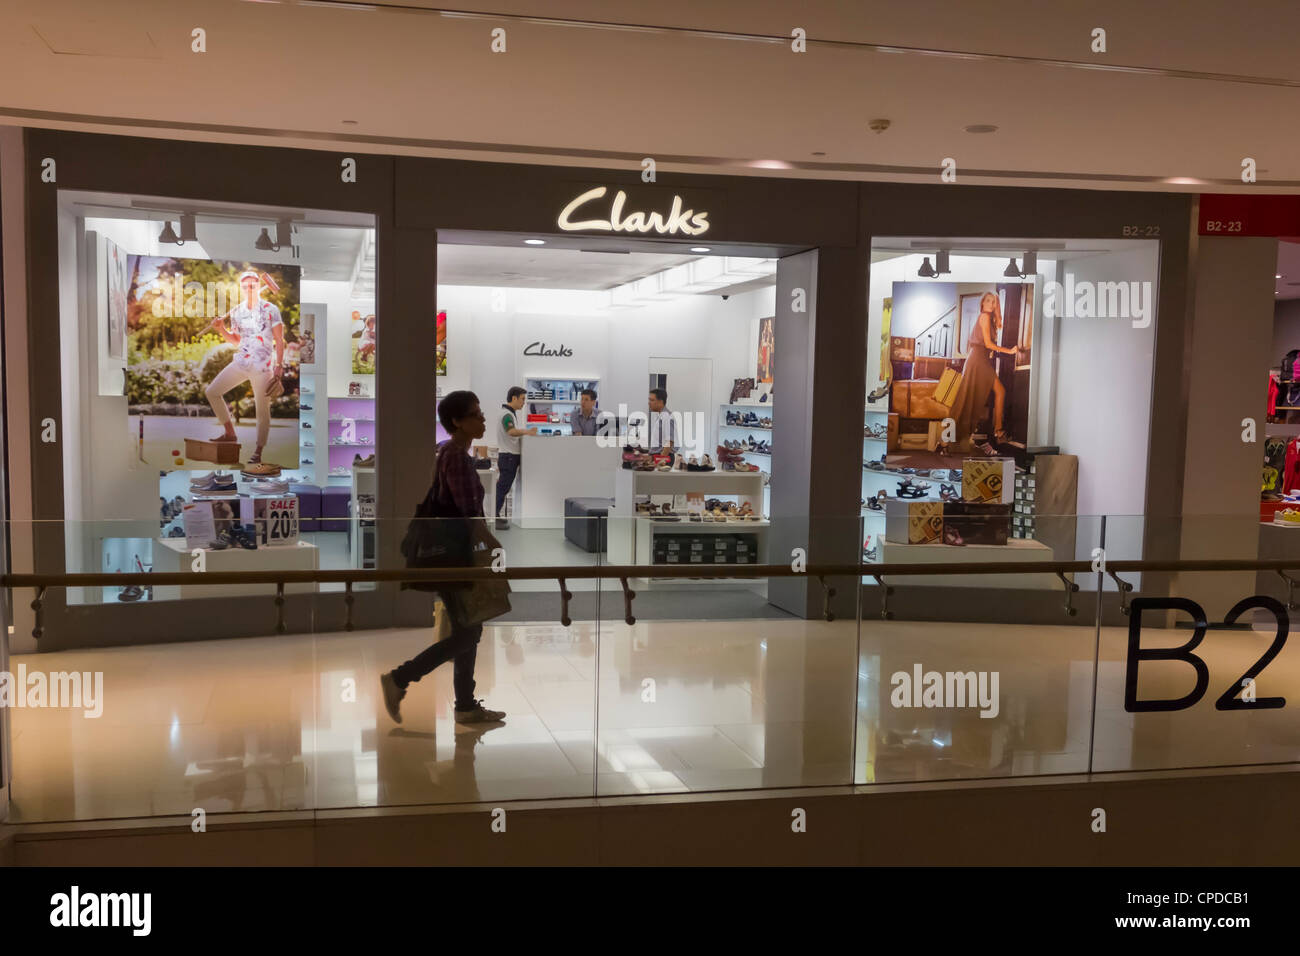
(509, 449)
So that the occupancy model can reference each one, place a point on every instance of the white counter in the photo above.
(556, 467)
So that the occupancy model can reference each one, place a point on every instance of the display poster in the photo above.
(116, 265)
(212, 356)
(200, 527)
(441, 361)
(766, 349)
(307, 336)
(976, 335)
(363, 343)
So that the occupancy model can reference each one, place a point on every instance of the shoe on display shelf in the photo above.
(213, 481)
(261, 469)
(305, 424)
(269, 487)
(307, 461)
(339, 472)
(130, 593)
(880, 391)
(305, 408)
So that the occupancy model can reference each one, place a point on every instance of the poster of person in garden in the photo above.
(212, 354)
(363, 343)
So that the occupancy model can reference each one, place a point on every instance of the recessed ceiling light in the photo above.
(534, 242)
(819, 153)
(1278, 276)
(981, 128)
(349, 122)
(699, 248)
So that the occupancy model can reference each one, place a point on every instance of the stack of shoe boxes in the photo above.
(705, 549)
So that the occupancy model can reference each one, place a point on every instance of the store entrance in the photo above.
(635, 381)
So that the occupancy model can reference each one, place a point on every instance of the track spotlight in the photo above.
(926, 271)
(168, 235)
(264, 243)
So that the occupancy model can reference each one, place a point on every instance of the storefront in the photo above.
(726, 293)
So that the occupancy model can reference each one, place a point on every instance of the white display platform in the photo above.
(556, 467)
(626, 527)
(1016, 549)
(171, 554)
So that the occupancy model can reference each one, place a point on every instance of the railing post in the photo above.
(565, 595)
(279, 607)
(38, 606)
(347, 603)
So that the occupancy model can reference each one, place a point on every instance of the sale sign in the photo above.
(276, 520)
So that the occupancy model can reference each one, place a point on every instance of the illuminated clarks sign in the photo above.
(679, 220)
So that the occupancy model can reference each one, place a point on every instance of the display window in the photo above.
(219, 358)
(1280, 477)
(1009, 394)
(634, 380)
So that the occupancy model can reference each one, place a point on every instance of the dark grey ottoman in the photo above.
(585, 521)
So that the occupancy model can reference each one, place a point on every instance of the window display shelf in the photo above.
(753, 428)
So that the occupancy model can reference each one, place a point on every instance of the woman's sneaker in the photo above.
(478, 714)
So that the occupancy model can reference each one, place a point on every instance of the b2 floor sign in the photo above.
(1228, 700)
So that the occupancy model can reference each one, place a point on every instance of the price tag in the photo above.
(276, 520)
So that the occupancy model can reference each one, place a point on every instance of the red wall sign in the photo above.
(1243, 215)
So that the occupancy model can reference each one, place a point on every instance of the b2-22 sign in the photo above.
(1228, 700)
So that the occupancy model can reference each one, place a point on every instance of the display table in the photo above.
(630, 535)
(171, 554)
(1016, 549)
(556, 467)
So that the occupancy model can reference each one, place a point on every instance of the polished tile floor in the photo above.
(295, 722)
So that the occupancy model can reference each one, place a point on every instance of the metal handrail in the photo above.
(577, 572)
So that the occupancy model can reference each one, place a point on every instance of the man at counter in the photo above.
(509, 454)
(582, 420)
(663, 430)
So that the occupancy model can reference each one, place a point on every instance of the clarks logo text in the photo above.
(540, 348)
(686, 221)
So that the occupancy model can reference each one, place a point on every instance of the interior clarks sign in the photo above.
(679, 219)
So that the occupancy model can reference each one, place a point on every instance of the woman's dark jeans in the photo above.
(460, 647)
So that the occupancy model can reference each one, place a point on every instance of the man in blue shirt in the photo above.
(583, 419)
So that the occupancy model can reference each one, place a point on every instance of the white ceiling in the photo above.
(541, 268)
(1186, 89)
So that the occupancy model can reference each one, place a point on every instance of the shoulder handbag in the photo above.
(437, 537)
(481, 600)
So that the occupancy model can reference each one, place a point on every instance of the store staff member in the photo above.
(508, 448)
(582, 420)
(663, 431)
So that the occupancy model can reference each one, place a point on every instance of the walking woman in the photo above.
(460, 491)
(258, 334)
(978, 374)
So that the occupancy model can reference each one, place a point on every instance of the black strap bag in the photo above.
(437, 537)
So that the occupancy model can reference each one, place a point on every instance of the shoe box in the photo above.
(978, 522)
(218, 452)
(989, 480)
(705, 549)
(913, 522)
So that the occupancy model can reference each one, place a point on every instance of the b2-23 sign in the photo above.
(1228, 700)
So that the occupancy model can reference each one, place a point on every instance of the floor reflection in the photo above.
(296, 722)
